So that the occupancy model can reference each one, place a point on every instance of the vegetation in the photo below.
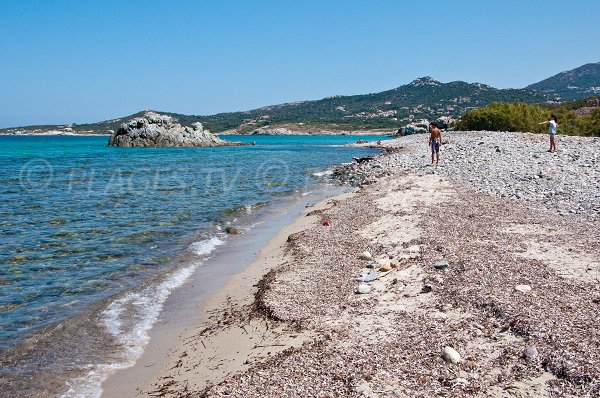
(519, 116)
(575, 83)
(424, 98)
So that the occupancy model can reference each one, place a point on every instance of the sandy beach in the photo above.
(481, 279)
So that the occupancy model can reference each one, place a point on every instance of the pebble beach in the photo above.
(476, 277)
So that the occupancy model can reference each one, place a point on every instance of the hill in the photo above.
(576, 83)
(423, 98)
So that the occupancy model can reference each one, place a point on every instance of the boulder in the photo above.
(417, 127)
(443, 122)
(156, 130)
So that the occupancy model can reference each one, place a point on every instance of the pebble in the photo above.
(363, 288)
(366, 256)
(533, 170)
(450, 355)
(530, 353)
(523, 288)
(442, 264)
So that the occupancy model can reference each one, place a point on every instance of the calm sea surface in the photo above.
(82, 224)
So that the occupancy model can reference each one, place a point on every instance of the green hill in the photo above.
(576, 83)
(423, 98)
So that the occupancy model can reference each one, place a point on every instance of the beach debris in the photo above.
(450, 355)
(326, 223)
(366, 256)
(523, 288)
(232, 231)
(460, 381)
(369, 277)
(530, 353)
(385, 267)
(363, 288)
(442, 264)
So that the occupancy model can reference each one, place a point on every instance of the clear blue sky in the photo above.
(84, 61)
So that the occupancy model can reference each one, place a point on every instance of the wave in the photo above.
(205, 247)
(323, 173)
(129, 320)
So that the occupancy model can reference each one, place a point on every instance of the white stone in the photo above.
(450, 355)
(523, 288)
(363, 288)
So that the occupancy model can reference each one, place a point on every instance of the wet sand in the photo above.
(229, 276)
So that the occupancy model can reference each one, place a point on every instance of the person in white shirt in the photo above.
(552, 126)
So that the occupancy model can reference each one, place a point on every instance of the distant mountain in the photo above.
(423, 98)
(576, 83)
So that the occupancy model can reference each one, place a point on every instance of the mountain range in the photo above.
(423, 98)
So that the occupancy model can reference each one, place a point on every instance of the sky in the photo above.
(85, 61)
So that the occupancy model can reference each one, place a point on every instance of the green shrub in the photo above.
(519, 116)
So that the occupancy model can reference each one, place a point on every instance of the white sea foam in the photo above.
(205, 247)
(323, 173)
(129, 320)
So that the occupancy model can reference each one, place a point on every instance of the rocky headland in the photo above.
(156, 130)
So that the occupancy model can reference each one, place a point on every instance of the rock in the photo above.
(363, 288)
(156, 130)
(523, 288)
(232, 231)
(366, 256)
(450, 355)
(442, 264)
(530, 353)
(427, 288)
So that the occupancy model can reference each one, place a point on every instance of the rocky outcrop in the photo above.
(417, 127)
(156, 130)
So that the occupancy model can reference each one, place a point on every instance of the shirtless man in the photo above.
(435, 140)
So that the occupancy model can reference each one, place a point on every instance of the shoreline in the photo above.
(519, 270)
(188, 306)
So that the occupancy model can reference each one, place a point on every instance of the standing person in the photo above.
(435, 140)
(552, 126)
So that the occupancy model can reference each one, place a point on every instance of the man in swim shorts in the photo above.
(435, 140)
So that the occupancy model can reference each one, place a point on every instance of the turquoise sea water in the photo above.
(81, 222)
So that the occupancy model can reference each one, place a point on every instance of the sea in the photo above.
(94, 239)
